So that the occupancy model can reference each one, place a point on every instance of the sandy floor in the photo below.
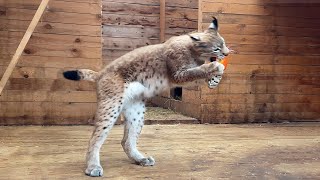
(267, 151)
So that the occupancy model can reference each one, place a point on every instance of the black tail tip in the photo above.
(72, 75)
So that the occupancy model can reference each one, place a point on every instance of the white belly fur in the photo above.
(150, 88)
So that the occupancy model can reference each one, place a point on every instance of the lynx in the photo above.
(125, 84)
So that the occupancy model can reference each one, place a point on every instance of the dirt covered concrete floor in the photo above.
(255, 151)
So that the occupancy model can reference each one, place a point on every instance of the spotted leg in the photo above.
(106, 115)
(134, 114)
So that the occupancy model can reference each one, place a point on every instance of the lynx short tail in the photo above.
(81, 74)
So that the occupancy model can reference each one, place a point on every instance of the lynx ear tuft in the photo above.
(214, 24)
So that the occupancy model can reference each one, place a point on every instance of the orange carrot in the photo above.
(224, 61)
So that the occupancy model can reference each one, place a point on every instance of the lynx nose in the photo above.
(225, 50)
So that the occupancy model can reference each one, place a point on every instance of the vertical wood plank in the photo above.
(200, 15)
(162, 20)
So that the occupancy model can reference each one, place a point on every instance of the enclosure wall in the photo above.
(68, 36)
(129, 24)
(274, 76)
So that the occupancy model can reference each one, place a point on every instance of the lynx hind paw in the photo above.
(94, 171)
(149, 161)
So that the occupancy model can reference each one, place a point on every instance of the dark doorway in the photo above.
(176, 93)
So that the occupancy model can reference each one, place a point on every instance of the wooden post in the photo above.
(200, 15)
(162, 20)
(23, 44)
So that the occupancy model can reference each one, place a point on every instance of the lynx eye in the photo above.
(217, 49)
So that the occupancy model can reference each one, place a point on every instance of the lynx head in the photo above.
(210, 43)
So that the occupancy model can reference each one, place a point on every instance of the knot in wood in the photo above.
(3, 12)
(77, 40)
(48, 26)
(27, 51)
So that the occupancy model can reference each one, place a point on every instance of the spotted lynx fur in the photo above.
(124, 84)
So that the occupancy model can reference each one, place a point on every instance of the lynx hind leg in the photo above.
(134, 114)
(110, 103)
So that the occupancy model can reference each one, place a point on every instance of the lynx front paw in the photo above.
(149, 161)
(218, 68)
(94, 171)
(214, 68)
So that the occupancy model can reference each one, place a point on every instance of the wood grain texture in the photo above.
(271, 151)
(68, 36)
(52, 28)
(200, 14)
(53, 62)
(85, 7)
(54, 16)
(11, 38)
(162, 20)
(272, 78)
(23, 43)
(137, 23)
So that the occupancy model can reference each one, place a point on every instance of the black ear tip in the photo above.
(214, 19)
(72, 75)
(214, 24)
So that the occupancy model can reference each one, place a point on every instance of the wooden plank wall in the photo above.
(275, 75)
(67, 36)
(129, 24)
